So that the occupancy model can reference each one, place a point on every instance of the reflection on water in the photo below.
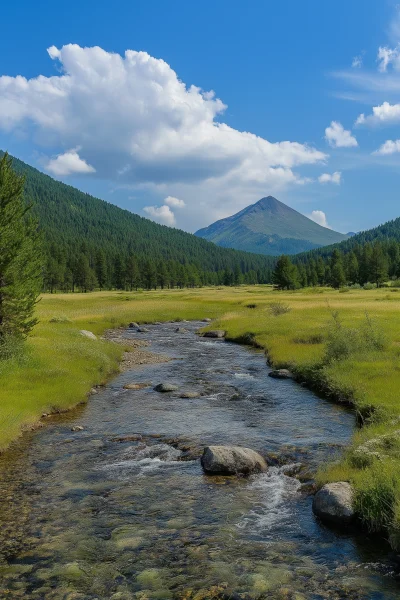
(85, 515)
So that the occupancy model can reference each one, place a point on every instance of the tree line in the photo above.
(371, 263)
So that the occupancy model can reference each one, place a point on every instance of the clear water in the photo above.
(84, 516)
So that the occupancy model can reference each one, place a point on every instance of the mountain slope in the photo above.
(74, 222)
(269, 227)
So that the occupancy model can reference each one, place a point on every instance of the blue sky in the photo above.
(143, 130)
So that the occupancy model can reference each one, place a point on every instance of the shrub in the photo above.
(60, 319)
(279, 308)
(345, 341)
(251, 305)
(369, 286)
(343, 290)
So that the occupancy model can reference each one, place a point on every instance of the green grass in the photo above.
(58, 366)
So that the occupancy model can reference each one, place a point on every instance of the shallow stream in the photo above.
(122, 509)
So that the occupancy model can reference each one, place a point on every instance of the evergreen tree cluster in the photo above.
(91, 244)
(374, 263)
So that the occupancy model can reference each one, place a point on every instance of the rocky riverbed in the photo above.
(111, 501)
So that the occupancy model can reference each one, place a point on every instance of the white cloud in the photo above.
(389, 147)
(161, 214)
(388, 56)
(335, 177)
(357, 61)
(338, 137)
(175, 202)
(385, 113)
(138, 124)
(319, 217)
(68, 163)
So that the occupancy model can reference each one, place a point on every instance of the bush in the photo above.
(345, 341)
(60, 319)
(279, 308)
(369, 286)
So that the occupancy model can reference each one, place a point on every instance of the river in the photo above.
(122, 510)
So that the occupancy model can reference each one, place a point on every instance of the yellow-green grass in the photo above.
(59, 366)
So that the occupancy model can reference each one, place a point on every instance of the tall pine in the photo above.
(20, 256)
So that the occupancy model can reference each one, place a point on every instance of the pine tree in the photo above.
(285, 276)
(101, 269)
(338, 277)
(20, 256)
(378, 265)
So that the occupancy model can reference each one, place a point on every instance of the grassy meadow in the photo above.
(344, 344)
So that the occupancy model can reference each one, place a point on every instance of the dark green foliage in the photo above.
(286, 274)
(123, 250)
(20, 258)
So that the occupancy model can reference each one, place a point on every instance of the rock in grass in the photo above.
(207, 320)
(165, 387)
(232, 460)
(334, 503)
(217, 333)
(281, 374)
(133, 325)
(89, 334)
(136, 386)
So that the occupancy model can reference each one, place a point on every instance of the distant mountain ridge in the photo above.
(269, 227)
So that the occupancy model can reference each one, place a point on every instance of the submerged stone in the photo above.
(165, 387)
(334, 503)
(136, 386)
(232, 460)
(189, 395)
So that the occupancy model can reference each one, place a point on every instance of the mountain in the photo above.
(269, 227)
(79, 228)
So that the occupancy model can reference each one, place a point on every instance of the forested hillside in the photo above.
(91, 243)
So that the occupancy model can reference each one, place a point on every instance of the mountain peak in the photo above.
(269, 227)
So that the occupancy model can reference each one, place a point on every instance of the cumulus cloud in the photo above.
(68, 163)
(319, 217)
(161, 214)
(389, 147)
(384, 114)
(335, 177)
(338, 137)
(175, 202)
(138, 124)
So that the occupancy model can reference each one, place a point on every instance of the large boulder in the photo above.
(232, 460)
(281, 374)
(333, 503)
(133, 325)
(217, 333)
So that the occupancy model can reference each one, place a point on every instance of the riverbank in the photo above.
(60, 366)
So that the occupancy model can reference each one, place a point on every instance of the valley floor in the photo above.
(316, 332)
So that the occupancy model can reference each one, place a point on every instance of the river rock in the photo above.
(231, 460)
(180, 330)
(281, 374)
(142, 330)
(207, 320)
(77, 428)
(89, 334)
(165, 387)
(334, 503)
(133, 325)
(217, 333)
(136, 386)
